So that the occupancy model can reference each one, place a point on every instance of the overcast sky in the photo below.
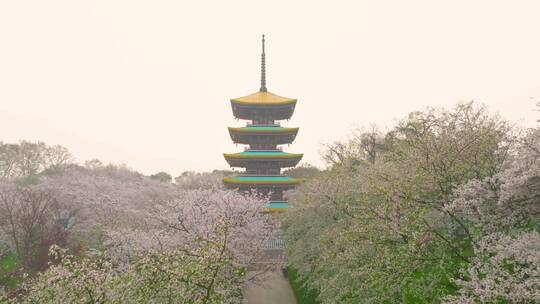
(148, 83)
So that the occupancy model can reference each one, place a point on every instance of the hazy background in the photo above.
(148, 83)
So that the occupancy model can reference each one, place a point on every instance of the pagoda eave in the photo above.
(271, 181)
(263, 111)
(262, 136)
(263, 98)
(275, 139)
(265, 163)
(262, 155)
(277, 206)
(263, 130)
(262, 188)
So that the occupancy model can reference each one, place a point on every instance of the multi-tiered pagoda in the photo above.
(262, 159)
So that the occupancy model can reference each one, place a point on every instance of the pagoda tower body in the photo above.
(262, 158)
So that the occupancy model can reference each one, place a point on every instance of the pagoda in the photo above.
(262, 159)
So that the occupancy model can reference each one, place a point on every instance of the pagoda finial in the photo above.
(263, 68)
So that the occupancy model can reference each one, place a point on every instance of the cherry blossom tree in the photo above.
(375, 226)
(200, 180)
(503, 212)
(156, 240)
(173, 276)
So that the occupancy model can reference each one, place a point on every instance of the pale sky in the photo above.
(148, 83)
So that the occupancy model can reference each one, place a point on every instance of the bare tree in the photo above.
(8, 159)
(27, 218)
(57, 156)
(29, 158)
(363, 146)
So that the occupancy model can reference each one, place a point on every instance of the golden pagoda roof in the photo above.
(263, 98)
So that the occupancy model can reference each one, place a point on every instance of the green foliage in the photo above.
(304, 171)
(436, 274)
(163, 177)
(29, 180)
(10, 265)
(375, 228)
(302, 294)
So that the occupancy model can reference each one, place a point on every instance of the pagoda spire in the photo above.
(263, 68)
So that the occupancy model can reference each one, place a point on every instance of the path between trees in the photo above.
(275, 289)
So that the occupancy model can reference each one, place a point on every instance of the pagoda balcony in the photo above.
(261, 124)
(277, 206)
(259, 173)
(247, 149)
(263, 159)
(260, 135)
(264, 184)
